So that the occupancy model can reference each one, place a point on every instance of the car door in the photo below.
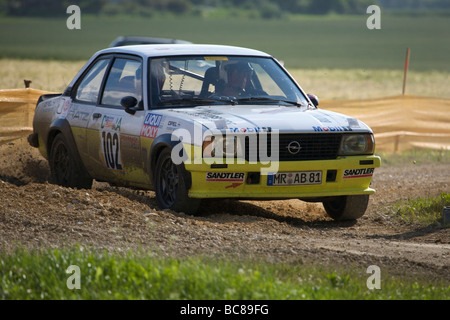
(113, 133)
(84, 100)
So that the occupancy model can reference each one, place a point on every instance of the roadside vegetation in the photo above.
(415, 157)
(41, 274)
(421, 211)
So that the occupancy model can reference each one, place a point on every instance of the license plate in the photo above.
(294, 178)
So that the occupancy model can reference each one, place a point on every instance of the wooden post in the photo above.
(396, 143)
(406, 70)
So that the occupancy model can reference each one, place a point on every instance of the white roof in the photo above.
(158, 50)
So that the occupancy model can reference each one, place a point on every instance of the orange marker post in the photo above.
(406, 70)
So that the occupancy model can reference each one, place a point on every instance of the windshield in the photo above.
(201, 80)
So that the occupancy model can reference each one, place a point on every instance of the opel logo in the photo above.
(294, 147)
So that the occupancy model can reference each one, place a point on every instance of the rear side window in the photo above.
(89, 88)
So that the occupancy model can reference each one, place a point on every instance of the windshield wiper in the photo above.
(197, 100)
(265, 99)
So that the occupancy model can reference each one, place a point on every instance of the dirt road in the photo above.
(36, 214)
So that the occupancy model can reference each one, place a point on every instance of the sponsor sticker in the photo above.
(151, 125)
(216, 58)
(172, 125)
(353, 123)
(111, 123)
(250, 129)
(203, 114)
(322, 118)
(129, 141)
(331, 128)
(77, 114)
(358, 173)
(225, 176)
(51, 105)
(64, 107)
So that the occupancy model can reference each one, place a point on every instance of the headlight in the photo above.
(221, 146)
(357, 144)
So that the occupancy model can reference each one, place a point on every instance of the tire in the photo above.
(346, 207)
(65, 171)
(170, 187)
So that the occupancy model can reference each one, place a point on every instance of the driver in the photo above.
(238, 74)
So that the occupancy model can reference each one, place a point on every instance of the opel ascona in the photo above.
(203, 121)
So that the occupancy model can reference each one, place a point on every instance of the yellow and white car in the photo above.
(203, 121)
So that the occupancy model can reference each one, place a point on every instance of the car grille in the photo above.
(316, 146)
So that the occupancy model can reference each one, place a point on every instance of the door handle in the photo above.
(96, 115)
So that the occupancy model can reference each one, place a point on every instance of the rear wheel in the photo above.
(170, 187)
(346, 207)
(64, 170)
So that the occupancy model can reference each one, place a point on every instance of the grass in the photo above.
(42, 275)
(366, 84)
(302, 42)
(421, 211)
(45, 75)
(415, 156)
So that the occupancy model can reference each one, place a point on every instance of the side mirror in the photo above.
(313, 99)
(129, 102)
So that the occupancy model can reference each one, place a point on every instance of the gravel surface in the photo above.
(37, 214)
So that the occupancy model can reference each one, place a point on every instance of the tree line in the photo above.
(265, 8)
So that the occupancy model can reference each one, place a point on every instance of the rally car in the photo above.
(203, 121)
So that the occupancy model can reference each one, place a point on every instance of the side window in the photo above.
(89, 88)
(125, 79)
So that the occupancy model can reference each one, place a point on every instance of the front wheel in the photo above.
(346, 207)
(170, 187)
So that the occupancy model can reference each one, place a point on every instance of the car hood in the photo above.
(257, 118)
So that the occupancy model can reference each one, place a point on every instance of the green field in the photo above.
(335, 57)
(331, 42)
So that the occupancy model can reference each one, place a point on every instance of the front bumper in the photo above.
(342, 176)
